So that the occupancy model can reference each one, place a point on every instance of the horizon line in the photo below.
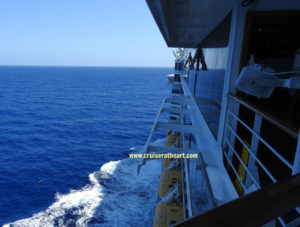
(86, 66)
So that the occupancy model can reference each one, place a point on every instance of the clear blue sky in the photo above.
(80, 32)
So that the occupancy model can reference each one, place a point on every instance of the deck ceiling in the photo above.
(185, 23)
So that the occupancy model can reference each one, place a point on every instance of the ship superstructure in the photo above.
(236, 103)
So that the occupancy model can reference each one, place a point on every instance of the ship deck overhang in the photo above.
(185, 23)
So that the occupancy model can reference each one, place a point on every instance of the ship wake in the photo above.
(115, 196)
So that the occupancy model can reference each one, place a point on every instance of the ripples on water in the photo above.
(58, 126)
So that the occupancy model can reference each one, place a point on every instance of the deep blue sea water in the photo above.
(59, 126)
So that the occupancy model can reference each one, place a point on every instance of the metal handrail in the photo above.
(236, 173)
(187, 92)
(263, 141)
(186, 184)
(268, 118)
(241, 161)
(247, 170)
(287, 129)
(253, 155)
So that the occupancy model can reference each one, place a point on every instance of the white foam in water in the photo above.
(116, 196)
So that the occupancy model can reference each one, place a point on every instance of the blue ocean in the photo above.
(65, 136)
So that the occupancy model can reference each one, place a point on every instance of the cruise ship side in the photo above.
(234, 107)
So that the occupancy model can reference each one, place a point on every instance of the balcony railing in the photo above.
(246, 172)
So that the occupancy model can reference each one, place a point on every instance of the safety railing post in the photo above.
(254, 146)
(234, 107)
(296, 165)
